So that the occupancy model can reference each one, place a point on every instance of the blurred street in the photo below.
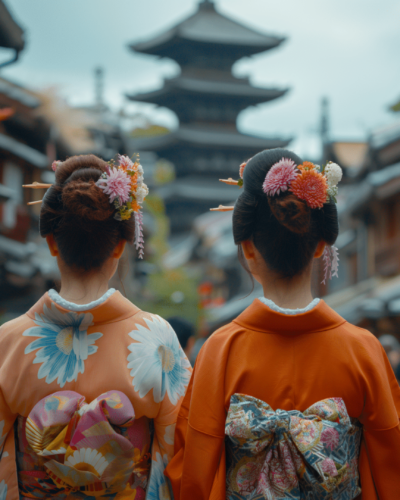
(196, 88)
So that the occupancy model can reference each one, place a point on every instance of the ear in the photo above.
(248, 249)
(319, 250)
(119, 249)
(52, 245)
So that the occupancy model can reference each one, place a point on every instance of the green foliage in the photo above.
(395, 107)
(167, 292)
(151, 131)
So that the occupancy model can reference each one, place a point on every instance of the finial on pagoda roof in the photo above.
(206, 4)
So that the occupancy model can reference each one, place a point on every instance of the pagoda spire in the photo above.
(207, 99)
(207, 4)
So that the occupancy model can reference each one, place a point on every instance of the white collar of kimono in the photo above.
(55, 297)
(281, 310)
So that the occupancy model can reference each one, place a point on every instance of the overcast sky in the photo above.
(347, 50)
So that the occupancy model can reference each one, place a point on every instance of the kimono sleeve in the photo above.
(380, 453)
(195, 471)
(8, 481)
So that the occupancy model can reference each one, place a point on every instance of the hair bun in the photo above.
(291, 212)
(83, 199)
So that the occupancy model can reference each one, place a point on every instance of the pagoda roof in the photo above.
(210, 137)
(11, 34)
(208, 26)
(198, 189)
(232, 88)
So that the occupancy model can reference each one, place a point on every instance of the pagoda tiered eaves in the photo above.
(202, 100)
(213, 151)
(207, 100)
(233, 88)
(210, 137)
(208, 32)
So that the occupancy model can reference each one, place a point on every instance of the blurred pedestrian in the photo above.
(185, 332)
(392, 349)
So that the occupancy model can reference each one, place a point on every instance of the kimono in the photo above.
(268, 370)
(88, 401)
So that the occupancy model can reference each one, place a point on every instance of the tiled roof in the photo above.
(207, 25)
(199, 136)
(17, 93)
(385, 135)
(23, 151)
(226, 88)
(11, 35)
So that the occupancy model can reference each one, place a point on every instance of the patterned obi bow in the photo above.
(289, 455)
(92, 449)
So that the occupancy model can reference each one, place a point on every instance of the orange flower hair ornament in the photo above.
(316, 188)
(308, 183)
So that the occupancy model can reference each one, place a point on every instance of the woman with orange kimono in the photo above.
(90, 385)
(288, 401)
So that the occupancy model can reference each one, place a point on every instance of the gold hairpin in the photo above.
(230, 181)
(36, 185)
(221, 208)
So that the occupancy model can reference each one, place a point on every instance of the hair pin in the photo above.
(36, 185)
(222, 208)
(230, 181)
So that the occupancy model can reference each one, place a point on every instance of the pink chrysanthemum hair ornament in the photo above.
(123, 184)
(309, 183)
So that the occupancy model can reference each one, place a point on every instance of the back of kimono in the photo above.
(288, 401)
(90, 385)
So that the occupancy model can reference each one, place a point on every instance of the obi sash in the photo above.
(289, 455)
(70, 449)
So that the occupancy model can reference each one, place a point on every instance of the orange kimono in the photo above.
(88, 401)
(289, 362)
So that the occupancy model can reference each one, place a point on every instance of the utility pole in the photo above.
(99, 87)
(324, 128)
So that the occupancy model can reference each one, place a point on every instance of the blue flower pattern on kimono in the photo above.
(289, 455)
(158, 489)
(63, 344)
(3, 490)
(157, 361)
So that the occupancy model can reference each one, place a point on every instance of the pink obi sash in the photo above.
(70, 449)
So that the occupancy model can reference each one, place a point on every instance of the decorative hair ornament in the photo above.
(123, 184)
(311, 186)
(330, 258)
(125, 187)
(279, 177)
(308, 183)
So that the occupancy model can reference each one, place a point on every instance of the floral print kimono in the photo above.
(89, 397)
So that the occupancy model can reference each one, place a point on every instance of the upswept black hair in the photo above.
(283, 228)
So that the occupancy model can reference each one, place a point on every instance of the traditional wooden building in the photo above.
(368, 289)
(207, 100)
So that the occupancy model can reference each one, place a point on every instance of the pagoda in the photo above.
(207, 100)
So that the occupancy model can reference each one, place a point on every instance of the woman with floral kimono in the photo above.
(90, 385)
(288, 401)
